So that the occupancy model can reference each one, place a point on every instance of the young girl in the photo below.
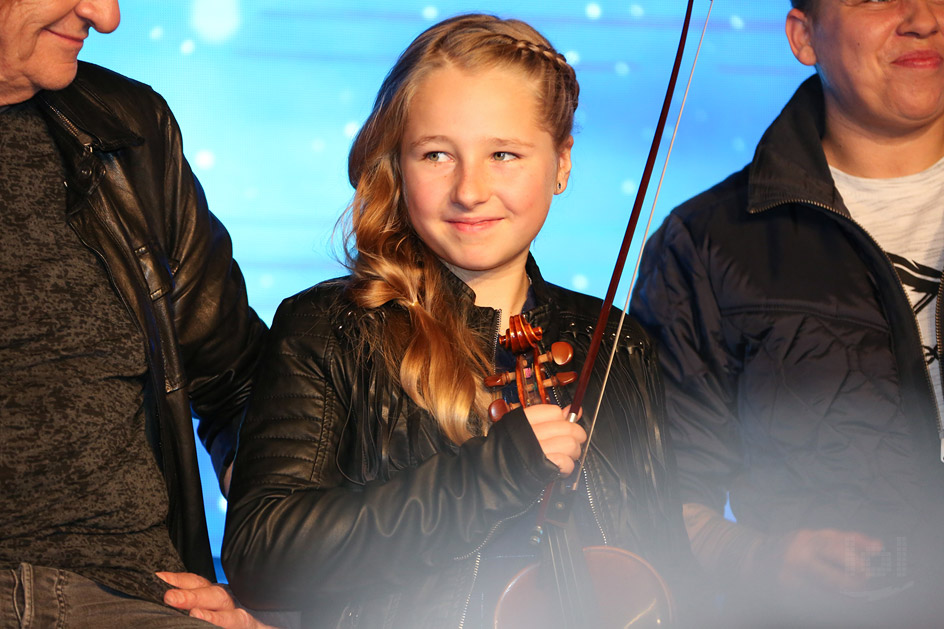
(370, 487)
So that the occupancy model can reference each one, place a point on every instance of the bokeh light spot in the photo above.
(205, 160)
(215, 21)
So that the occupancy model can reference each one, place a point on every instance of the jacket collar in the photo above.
(789, 164)
(84, 116)
(485, 319)
(538, 285)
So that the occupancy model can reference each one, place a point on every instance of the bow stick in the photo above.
(598, 332)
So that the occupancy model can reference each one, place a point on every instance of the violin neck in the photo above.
(566, 565)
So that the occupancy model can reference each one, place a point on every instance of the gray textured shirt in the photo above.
(79, 486)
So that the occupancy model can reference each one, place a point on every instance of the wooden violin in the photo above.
(599, 586)
(596, 586)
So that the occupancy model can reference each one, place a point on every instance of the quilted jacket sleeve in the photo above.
(298, 530)
(673, 299)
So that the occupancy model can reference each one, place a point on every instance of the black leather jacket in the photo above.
(133, 200)
(366, 523)
(795, 376)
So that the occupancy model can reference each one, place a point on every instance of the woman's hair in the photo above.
(438, 360)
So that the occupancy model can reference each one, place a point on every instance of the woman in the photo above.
(370, 487)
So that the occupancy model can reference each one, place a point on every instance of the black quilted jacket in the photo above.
(133, 200)
(370, 523)
(795, 376)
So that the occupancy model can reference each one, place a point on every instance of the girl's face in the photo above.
(479, 170)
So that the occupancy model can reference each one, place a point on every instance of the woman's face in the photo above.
(479, 170)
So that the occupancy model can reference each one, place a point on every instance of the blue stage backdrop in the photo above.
(269, 94)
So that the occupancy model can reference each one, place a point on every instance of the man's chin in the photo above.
(61, 78)
(55, 76)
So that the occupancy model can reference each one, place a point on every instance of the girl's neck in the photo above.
(505, 290)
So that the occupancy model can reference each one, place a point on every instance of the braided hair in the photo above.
(425, 343)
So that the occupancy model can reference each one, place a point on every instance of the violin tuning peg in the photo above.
(561, 353)
(561, 379)
(565, 378)
(498, 408)
(499, 379)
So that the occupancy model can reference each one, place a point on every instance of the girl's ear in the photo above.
(563, 165)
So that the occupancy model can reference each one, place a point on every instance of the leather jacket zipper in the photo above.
(468, 597)
(939, 327)
(593, 506)
(496, 332)
(477, 552)
(79, 135)
(938, 314)
(87, 146)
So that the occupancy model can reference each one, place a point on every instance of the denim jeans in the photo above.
(36, 597)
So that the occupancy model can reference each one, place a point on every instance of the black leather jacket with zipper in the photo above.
(795, 375)
(133, 200)
(366, 522)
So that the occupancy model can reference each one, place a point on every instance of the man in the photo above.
(794, 307)
(122, 309)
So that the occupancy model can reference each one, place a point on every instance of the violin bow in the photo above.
(599, 330)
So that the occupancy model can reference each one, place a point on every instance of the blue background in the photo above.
(269, 94)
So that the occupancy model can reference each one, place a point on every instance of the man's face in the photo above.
(40, 41)
(881, 63)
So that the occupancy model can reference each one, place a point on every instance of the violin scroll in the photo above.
(521, 336)
(530, 375)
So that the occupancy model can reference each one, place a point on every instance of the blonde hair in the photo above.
(427, 345)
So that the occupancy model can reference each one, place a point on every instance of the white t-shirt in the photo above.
(905, 216)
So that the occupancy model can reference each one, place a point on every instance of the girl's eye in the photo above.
(435, 156)
(504, 156)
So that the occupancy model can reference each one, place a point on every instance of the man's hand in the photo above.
(825, 559)
(207, 601)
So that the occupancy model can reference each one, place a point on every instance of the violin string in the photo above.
(565, 591)
(632, 279)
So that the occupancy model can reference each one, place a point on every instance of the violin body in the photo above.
(627, 592)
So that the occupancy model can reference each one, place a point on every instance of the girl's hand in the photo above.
(560, 440)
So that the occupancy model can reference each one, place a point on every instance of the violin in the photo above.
(599, 586)
(595, 586)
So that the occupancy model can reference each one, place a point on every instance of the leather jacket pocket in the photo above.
(156, 269)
